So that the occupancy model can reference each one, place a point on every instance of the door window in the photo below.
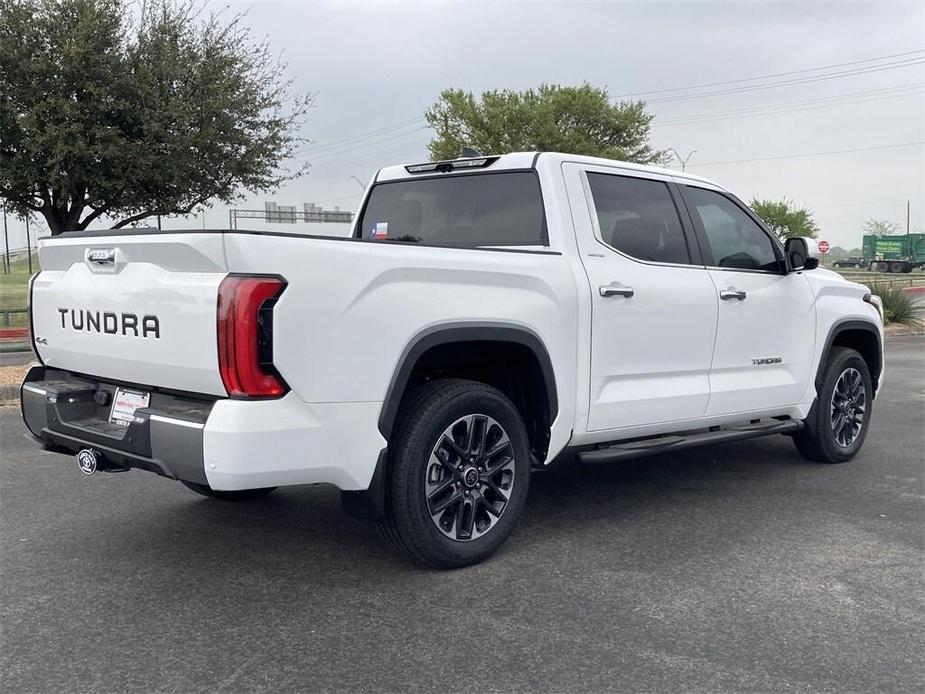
(736, 241)
(637, 216)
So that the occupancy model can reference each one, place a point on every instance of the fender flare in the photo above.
(448, 333)
(840, 327)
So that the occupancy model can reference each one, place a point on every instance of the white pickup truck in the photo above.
(487, 316)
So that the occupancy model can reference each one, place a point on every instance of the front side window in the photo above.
(637, 217)
(486, 209)
(736, 241)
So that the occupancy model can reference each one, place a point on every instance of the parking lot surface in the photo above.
(731, 568)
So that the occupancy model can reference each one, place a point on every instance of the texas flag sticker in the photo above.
(380, 230)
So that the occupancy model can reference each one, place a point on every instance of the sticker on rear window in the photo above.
(380, 230)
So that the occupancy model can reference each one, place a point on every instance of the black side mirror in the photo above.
(797, 251)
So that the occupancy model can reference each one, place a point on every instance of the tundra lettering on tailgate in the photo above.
(110, 323)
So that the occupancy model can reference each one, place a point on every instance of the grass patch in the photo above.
(898, 306)
(13, 289)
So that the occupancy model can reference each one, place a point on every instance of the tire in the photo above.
(883, 267)
(828, 434)
(427, 470)
(897, 267)
(236, 495)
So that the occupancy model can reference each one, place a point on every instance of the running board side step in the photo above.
(677, 442)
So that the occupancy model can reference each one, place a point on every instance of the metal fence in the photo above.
(5, 314)
(882, 280)
(290, 215)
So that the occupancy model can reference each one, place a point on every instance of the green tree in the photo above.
(106, 113)
(836, 253)
(785, 219)
(577, 120)
(880, 226)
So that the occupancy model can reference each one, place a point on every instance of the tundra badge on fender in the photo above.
(761, 361)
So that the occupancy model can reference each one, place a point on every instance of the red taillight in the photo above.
(245, 348)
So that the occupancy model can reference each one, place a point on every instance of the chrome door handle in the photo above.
(617, 289)
(732, 293)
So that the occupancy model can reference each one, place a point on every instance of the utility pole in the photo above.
(6, 245)
(682, 160)
(907, 217)
(29, 245)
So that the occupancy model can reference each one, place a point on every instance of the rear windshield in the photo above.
(498, 209)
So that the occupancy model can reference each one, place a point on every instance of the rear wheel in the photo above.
(459, 471)
(837, 424)
(897, 267)
(236, 495)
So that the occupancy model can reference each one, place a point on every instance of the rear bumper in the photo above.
(224, 443)
(167, 438)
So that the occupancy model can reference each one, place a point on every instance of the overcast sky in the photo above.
(377, 65)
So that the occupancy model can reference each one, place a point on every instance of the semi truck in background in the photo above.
(887, 253)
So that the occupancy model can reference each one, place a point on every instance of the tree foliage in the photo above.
(880, 226)
(108, 113)
(785, 219)
(577, 120)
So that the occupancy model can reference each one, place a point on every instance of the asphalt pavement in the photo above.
(15, 358)
(734, 568)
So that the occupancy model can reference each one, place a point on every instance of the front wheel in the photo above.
(837, 424)
(458, 475)
(236, 495)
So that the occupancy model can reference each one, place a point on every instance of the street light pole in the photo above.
(682, 160)
(29, 245)
(6, 245)
(359, 182)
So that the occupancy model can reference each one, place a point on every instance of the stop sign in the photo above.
(823, 246)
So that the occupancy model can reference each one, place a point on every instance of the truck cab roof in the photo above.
(524, 160)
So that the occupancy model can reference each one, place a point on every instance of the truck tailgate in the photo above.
(133, 307)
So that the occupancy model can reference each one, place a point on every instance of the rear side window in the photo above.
(638, 217)
(499, 209)
(736, 241)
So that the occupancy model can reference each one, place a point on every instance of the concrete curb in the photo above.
(15, 346)
(903, 330)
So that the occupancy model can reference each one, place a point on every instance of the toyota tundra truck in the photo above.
(487, 316)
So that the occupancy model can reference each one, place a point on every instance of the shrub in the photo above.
(898, 306)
